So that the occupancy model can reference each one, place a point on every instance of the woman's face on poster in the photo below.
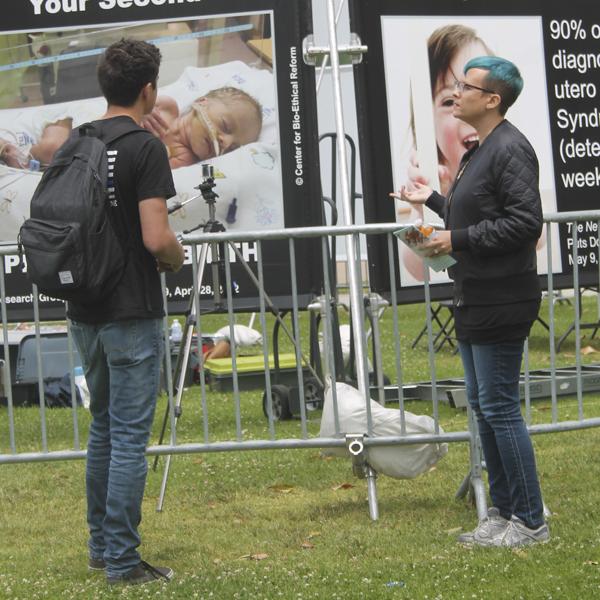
(454, 137)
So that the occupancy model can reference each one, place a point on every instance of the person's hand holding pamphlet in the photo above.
(415, 236)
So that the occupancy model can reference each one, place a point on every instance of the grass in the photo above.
(294, 524)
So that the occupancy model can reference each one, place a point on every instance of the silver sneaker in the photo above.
(489, 532)
(518, 534)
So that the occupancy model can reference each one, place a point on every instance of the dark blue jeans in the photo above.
(122, 368)
(492, 381)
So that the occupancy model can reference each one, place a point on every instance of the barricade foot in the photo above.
(474, 480)
(464, 487)
(163, 485)
(372, 493)
(479, 496)
(363, 470)
(547, 511)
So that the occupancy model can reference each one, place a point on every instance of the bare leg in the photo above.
(221, 349)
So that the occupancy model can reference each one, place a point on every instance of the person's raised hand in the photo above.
(155, 123)
(417, 196)
(163, 267)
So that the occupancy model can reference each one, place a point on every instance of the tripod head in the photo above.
(206, 187)
(206, 191)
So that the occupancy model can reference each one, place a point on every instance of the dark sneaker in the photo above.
(518, 534)
(143, 573)
(488, 532)
(96, 564)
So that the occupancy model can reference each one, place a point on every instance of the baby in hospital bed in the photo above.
(216, 123)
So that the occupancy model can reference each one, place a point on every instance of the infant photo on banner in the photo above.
(232, 100)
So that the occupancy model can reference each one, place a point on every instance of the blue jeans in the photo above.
(492, 381)
(122, 362)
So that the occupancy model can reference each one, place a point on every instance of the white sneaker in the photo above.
(489, 532)
(518, 534)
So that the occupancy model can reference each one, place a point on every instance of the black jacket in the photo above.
(494, 213)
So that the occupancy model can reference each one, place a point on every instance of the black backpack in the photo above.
(72, 250)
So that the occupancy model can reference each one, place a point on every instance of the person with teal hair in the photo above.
(449, 48)
(505, 76)
(493, 219)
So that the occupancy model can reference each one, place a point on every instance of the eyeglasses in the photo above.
(461, 86)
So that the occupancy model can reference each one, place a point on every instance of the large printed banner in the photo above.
(404, 88)
(244, 56)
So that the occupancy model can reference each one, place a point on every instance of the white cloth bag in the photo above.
(400, 462)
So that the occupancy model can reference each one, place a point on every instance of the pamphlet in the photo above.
(414, 236)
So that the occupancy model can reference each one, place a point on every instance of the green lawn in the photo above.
(282, 524)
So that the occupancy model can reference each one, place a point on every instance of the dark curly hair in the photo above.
(125, 68)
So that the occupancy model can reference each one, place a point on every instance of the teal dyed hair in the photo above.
(503, 77)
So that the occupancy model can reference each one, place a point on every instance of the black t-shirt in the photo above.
(138, 169)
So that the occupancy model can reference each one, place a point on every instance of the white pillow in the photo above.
(244, 336)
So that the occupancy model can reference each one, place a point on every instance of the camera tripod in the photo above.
(218, 255)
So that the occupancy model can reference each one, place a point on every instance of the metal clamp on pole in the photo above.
(311, 53)
(317, 305)
(376, 304)
(356, 446)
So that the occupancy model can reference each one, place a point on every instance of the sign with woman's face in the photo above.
(416, 53)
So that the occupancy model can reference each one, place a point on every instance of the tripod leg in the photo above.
(217, 254)
(184, 350)
(183, 357)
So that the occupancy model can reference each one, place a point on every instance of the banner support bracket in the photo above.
(312, 53)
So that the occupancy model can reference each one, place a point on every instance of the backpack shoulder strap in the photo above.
(116, 130)
(108, 135)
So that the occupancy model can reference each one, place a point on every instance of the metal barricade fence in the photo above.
(13, 451)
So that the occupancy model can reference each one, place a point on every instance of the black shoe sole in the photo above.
(140, 581)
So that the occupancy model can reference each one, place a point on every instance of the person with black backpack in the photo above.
(119, 334)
